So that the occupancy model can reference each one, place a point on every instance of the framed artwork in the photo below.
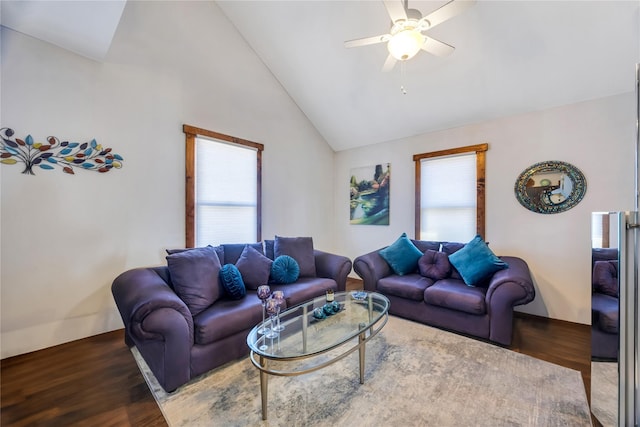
(369, 195)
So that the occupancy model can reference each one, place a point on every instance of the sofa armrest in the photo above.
(507, 288)
(331, 266)
(139, 293)
(518, 274)
(371, 267)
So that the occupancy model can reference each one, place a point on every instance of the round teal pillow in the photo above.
(285, 269)
(232, 281)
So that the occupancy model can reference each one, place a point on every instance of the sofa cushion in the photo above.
(409, 286)
(232, 283)
(605, 311)
(219, 251)
(233, 251)
(268, 249)
(605, 277)
(434, 265)
(425, 245)
(195, 277)
(456, 295)
(300, 249)
(475, 261)
(254, 267)
(305, 289)
(225, 318)
(285, 269)
(402, 255)
(450, 248)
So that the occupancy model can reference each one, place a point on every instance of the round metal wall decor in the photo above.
(550, 187)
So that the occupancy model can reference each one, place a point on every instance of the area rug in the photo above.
(415, 376)
(604, 392)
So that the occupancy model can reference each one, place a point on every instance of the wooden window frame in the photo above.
(191, 133)
(480, 150)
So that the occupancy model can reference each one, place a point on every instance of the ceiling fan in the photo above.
(406, 38)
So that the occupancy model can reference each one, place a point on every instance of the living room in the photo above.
(66, 237)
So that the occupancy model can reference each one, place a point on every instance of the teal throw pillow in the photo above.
(232, 281)
(285, 269)
(476, 262)
(402, 256)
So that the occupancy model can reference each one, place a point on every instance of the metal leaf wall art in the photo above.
(66, 155)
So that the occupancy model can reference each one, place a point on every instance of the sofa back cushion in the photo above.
(300, 249)
(195, 277)
(605, 277)
(425, 245)
(232, 251)
(219, 251)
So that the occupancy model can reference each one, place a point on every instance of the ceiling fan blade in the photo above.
(449, 10)
(389, 64)
(436, 47)
(395, 9)
(367, 40)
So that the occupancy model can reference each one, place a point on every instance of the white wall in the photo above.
(66, 237)
(595, 136)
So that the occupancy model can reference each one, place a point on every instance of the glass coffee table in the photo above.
(309, 342)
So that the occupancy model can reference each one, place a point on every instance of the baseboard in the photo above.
(549, 320)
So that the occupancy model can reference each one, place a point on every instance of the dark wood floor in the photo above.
(95, 381)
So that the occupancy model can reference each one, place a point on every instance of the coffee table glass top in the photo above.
(305, 335)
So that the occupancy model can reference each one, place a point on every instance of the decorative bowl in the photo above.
(359, 295)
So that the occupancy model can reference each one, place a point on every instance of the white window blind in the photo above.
(226, 193)
(448, 198)
(597, 232)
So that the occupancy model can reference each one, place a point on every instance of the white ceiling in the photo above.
(511, 57)
(83, 27)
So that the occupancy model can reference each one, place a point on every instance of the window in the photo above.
(450, 194)
(600, 234)
(223, 188)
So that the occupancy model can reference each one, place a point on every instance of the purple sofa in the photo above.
(178, 345)
(604, 304)
(484, 311)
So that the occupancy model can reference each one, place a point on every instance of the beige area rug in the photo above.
(604, 392)
(415, 376)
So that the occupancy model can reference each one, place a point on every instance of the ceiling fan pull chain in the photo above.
(403, 75)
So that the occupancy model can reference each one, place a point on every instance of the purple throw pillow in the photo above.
(254, 267)
(195, 275)
(434, 265)
(300, 249)
(605, 277)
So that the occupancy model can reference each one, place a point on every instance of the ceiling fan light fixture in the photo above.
(405, 44)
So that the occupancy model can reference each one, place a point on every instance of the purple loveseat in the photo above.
(604, 304)
(178, 345)
(484, 311)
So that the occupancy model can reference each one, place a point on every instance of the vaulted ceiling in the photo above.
(511, 57)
